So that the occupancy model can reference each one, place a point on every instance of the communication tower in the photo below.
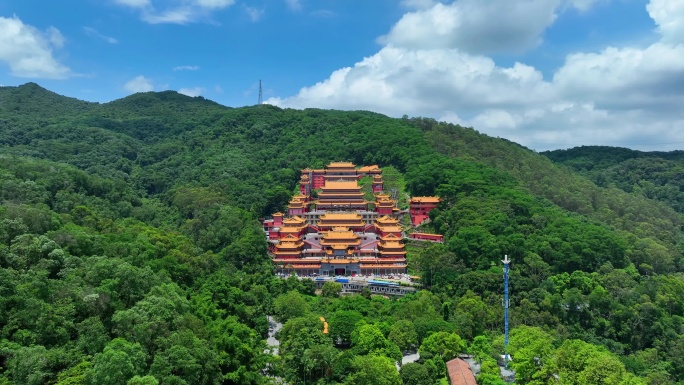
(506, 304)
(261, 99)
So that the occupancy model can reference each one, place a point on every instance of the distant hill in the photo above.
(152, 116)
(34, 101)
(654, 175)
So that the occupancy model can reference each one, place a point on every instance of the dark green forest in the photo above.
(131, 250)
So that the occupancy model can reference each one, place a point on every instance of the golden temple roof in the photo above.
(338, 235)
(383, 253)
(373, 167)
(425, 200)
(295, 220)
(387, 220)
(389, 228)
(341, 185)
(341, 165)
(333, 195)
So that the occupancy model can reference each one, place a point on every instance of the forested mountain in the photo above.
(655, 175)
(130, 251)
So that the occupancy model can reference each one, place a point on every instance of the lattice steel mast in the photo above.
(261, 98)
(506, 304)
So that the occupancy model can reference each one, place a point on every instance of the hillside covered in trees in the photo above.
(131, 252)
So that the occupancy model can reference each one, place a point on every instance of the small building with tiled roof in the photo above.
(420, 207)
(298, 205)
(459, 373)
(384, 205)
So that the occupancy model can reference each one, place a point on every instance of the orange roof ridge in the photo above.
(425, 199)
(341, 164)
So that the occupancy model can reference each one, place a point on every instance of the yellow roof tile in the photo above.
(340, 185)
(425, 200)
(340, 164)
(389, 229)
(294, 220)
(373, 167)
(386, 220)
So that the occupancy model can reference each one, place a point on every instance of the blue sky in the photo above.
(544, 73)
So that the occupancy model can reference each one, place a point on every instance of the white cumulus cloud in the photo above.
(475, 26)
(669, 16)
(193, 91)
(430, 66)
(139, 84)
(397, 81)
(29, 52)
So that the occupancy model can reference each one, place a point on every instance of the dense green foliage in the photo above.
(654, 175)
(130, 251)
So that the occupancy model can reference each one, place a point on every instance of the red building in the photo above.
(439, 238)
(420, 207)
(298, 205)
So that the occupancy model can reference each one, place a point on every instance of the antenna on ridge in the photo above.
(261, 98)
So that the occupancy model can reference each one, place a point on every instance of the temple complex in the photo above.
(334, 226)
